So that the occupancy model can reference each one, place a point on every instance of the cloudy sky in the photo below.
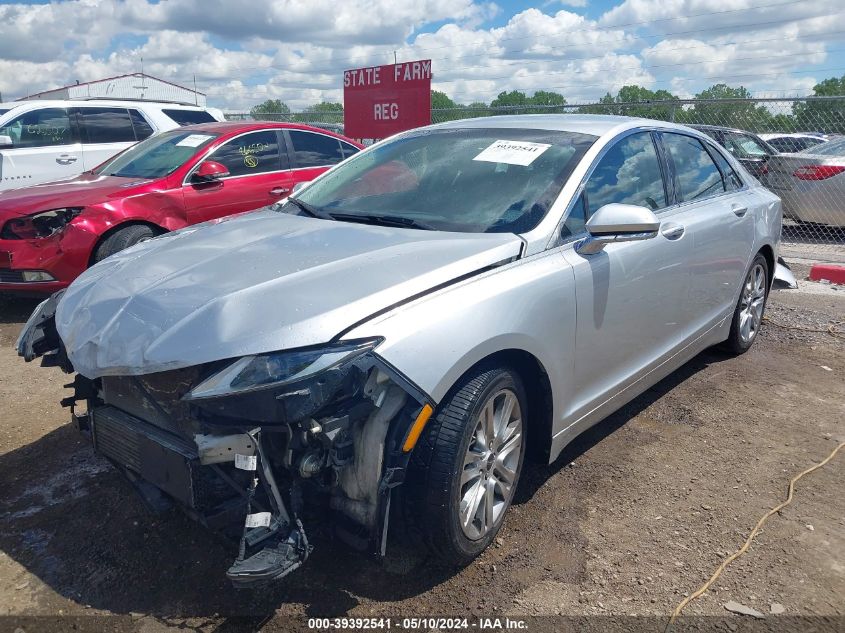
(245, 51)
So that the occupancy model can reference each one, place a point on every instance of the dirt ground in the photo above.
(632, 518)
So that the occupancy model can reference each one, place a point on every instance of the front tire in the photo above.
(466, 466)
(748, 315)
(122, 239)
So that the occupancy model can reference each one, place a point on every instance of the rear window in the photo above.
(107, 125)
(831, 148)
(793, 144)
(142, 128)
(315, 150)
(189, 117)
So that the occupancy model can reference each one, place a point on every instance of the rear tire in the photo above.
(466, 466)
(122, 239)
(748, 315)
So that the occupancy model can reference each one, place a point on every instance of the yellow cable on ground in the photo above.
(750, 538)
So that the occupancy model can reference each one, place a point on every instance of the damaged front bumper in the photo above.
(248, 455)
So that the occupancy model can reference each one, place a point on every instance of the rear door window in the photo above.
(744, 146)
(142, 128)
(253, 153)
(628, 173)
(189, 117)
(106, 125)
(696, 174)
(731, 178)
(315, 150)
(348, 149)
(45, 127)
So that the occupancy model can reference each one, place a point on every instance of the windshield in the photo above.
(3, 111)
(158, 156)
(831, 148)
(468, 180)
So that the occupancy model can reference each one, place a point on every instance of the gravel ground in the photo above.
(633, 517)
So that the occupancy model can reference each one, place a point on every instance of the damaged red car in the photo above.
(50, 233)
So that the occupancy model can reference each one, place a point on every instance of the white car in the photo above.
(42, 141)
(793, 142)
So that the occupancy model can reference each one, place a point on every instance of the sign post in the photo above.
(382, 100)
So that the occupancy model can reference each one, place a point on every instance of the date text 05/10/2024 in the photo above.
(419, 623)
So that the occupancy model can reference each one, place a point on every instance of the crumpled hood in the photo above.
(85, 190)
(258, 282)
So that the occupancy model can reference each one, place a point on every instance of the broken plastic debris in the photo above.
(736, 607)
(246, 462)
(259, 519)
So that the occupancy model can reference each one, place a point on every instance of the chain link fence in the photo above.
(795, 147)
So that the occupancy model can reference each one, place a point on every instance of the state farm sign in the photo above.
(383, 100)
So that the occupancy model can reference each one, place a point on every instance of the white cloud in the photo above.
(296, 51)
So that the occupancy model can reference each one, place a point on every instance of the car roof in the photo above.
(237, 127)
(773, 135)
(101, 102)
(723, 128)
(595, 124)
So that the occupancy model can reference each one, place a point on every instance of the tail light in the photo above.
(817, 172)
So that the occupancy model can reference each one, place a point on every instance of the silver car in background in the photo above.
(811, 183)
(394, 340)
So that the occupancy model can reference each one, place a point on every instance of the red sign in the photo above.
(384, 100)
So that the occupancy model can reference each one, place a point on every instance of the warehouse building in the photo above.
(134, 86)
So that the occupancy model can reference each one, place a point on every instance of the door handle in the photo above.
(279, 191)
(672, 231)
(66, 159)
(739, 211)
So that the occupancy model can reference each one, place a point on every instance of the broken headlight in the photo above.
(268, 371)
(42, 224)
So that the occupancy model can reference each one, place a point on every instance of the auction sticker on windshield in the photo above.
(194, 140)
(512, 152)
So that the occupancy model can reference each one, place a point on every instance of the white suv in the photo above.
(41, 141)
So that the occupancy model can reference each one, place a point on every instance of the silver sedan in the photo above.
(411, 326)
(811, 183)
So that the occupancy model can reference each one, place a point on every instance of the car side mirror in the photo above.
(6, 142)
(299, 186)
(209, 171)
(616, 222)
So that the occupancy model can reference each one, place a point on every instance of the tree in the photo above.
(325, 112)
(270, 110)
(444, 108)
(824, 115)
(441, 101)
(512, 98)
(544, 98)
(607, 105)
(731, 112)
(645, 106)
(477, 109)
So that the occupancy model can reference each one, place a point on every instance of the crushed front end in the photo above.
(244, 445)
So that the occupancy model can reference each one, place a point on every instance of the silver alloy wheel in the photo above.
(751, 303)
(490, 464)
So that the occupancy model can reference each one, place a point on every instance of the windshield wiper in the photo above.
(314, 212)
(383, 220)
